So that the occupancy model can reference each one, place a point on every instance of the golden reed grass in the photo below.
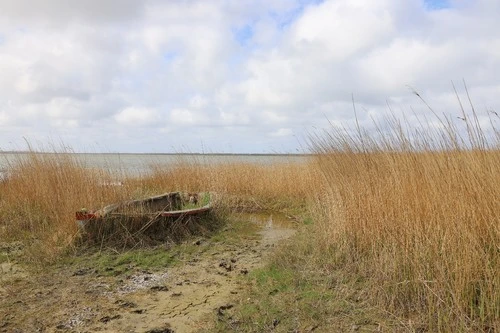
(39, 199)
(417, 214)
(414, 215)
(282, 185)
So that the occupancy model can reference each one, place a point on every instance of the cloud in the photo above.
(241, 76)
(187, 117)
(60, 11)
(282, 132)
(137, 116)
(4, 118)
(198, 102)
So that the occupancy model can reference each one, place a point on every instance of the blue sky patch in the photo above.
(436, 4)
(285, 19)
(243, 34)
(170, 56)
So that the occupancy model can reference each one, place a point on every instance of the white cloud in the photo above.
(65, 123)
(198, 102)
(282, 132)
(61, 11)
(271, 117)
(4, 118)
(137, 116)
(339, 29)
(183, 68)
(182, 116)
(234, 118)
(186, 117)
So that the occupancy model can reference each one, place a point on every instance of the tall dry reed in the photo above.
(39, 198)
(416, 212)
(282, 185)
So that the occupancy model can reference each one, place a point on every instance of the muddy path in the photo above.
(185, 297)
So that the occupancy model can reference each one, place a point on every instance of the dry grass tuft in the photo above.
(247, 186)
(417, 215)
(39, 198)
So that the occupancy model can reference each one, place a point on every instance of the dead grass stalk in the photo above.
(416, 213)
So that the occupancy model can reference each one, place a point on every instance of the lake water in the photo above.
(140, 164)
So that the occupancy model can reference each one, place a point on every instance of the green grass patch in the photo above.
(3, 258)
(302, 290)
(112, 263)
(308, 221)
(237, 230)
(273, 278)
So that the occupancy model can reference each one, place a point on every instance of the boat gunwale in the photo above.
(107, 211)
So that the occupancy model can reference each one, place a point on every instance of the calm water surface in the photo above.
(140, 164)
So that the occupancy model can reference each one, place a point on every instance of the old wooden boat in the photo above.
(158, 217)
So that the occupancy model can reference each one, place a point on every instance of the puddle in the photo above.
(274, 226)
(268, 220)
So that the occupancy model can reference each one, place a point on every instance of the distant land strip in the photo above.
(170, 154)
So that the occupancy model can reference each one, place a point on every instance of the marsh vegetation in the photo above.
(398, 229)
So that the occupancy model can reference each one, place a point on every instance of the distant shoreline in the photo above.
(166, 154)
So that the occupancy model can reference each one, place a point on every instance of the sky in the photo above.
(235, 76)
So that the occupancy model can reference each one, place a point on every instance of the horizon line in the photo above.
(129, 153)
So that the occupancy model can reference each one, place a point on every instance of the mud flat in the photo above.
(182, 297)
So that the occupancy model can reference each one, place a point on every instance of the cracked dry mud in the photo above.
(182, 298)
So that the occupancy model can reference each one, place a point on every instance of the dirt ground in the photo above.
(185, 297)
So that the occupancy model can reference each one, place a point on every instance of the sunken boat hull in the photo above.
(167, 217)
